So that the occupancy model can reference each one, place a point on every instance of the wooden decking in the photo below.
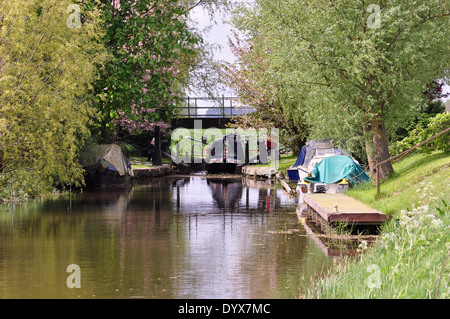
(152, 171)
(335, 208)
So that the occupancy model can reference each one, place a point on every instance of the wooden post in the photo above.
(231, 106)
(247, 152)
(223, 105)
(377, 167)
(157, 157)
(262, 152)
(196, 109)
(188, 107)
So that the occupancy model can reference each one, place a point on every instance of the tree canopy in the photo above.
(46, 72)
(146, 41)
(352, 68)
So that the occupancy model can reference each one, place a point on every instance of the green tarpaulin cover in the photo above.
(335, 168)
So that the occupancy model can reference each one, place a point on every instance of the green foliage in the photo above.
(274, 101)
(425, 129)
(409, 261)
(411, 256)
(46, 72)
(413, 175)
(23, 184)
(137, 87)
(352, 79)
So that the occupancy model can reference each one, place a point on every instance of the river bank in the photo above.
(411, 257)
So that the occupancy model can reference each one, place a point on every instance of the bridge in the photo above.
(213, 111)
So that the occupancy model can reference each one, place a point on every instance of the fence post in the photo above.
(189, 106)
(377, 167)
(223, 105)
(157, 157)
(196, 109)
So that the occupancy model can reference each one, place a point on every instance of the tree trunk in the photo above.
(2, 165)
(377, 148)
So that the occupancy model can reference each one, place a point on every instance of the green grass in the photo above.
(141, 162)
(407, 185)
(411, 258)
(286, 161)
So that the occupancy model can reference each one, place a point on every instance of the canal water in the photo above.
(186, 237)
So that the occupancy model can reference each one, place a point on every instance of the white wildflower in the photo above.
(395, 269)
(436, 223)
(389, 236)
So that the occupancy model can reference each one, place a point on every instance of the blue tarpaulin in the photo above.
(292, 171)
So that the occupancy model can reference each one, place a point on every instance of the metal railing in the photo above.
(211, 107)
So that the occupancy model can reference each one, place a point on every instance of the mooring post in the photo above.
(247, 152)
(157, 157)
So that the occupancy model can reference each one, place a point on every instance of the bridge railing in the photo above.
(211, 107)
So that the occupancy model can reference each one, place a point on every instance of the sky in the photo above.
(218, 35)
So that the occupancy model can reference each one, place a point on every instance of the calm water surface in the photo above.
(189, 237)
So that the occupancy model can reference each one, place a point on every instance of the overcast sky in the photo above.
(218, 35)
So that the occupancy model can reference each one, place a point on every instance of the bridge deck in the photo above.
(211, 108)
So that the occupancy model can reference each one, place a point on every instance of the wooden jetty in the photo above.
(152, 171)
(337, 208)
(256, 171)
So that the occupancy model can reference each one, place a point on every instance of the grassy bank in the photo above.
(418, 179)
(411, 257)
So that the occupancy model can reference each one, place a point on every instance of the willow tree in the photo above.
(48, 49)
(357, 65)
(274, 102)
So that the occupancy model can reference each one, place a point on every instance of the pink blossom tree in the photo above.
(145, 39)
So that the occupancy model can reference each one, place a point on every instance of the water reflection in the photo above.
(189, 237)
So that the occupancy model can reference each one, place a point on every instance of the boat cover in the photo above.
(313, 149)
(333, 169)
(109, 156)
(300, 158)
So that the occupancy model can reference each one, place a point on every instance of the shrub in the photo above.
(423, 132)
(22, 184)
